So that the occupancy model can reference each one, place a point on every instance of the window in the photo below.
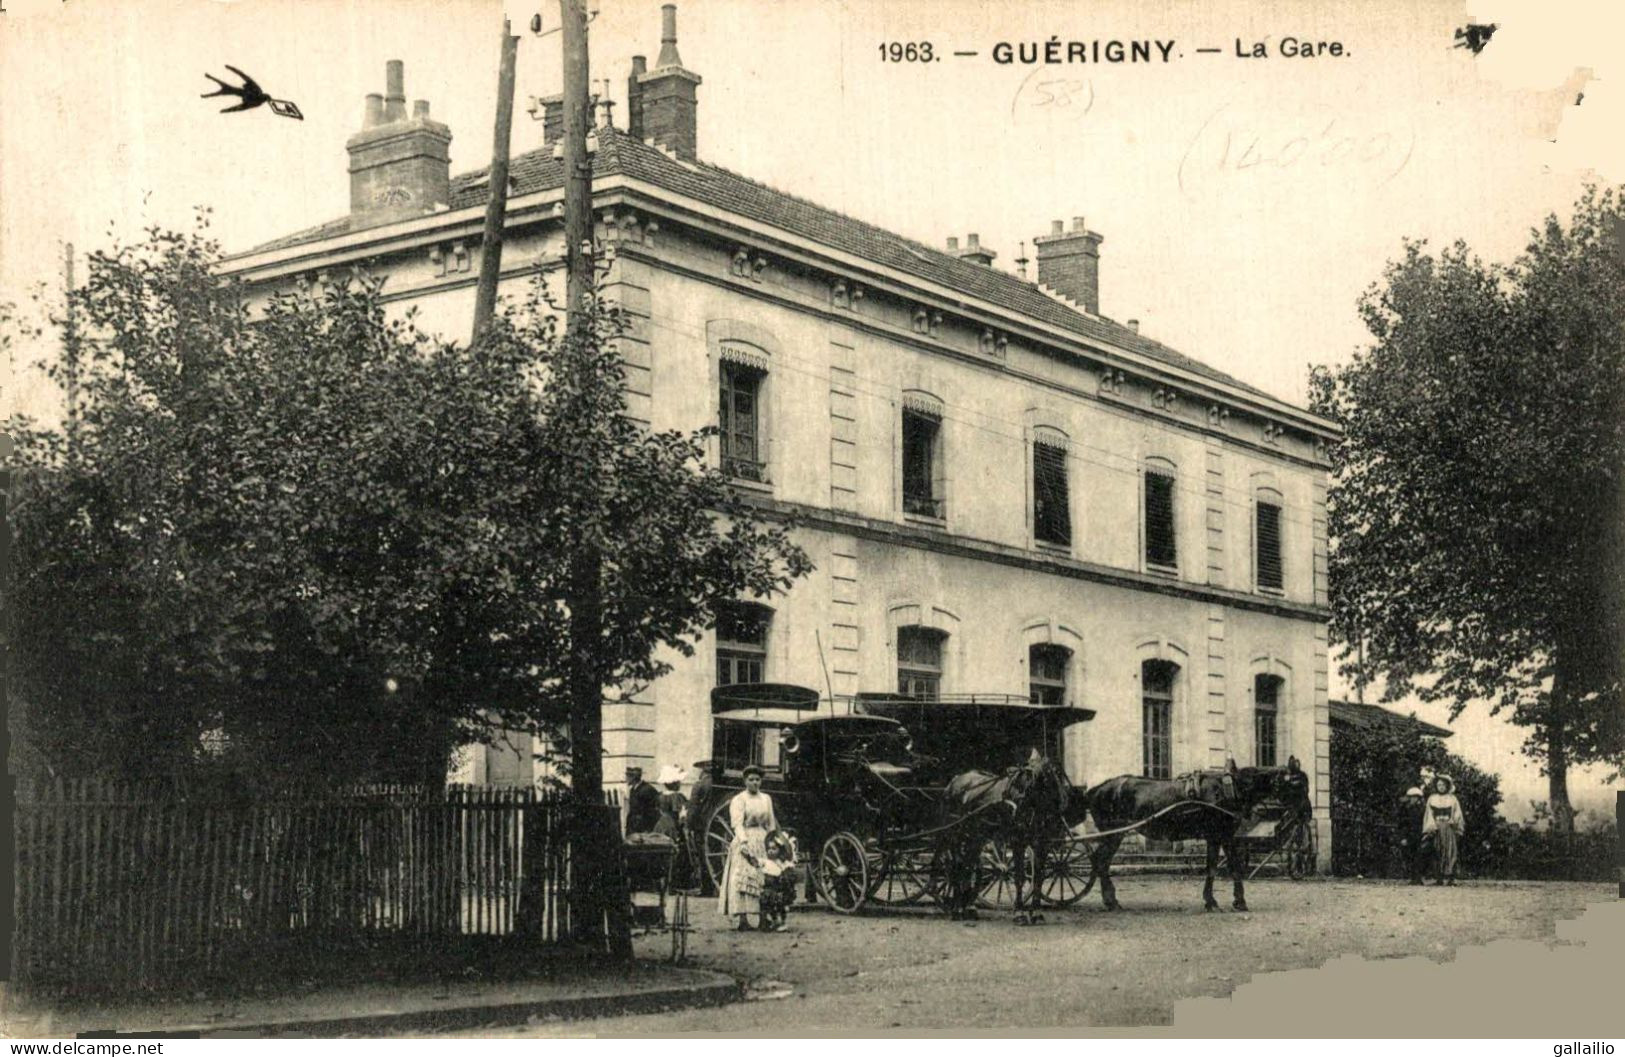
(1267, 542)
(1157, 711)
(919, 662)
(1266, 697)
(921, 494)
(738, 409)
(742, 643)
(1052, 520)
(1046, 674)
(1159, 520)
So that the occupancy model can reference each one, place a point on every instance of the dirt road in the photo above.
(915, 970)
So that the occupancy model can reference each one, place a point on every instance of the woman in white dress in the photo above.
(1442, 827)
(751, 814)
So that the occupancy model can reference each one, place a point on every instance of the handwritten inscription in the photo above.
(1233, 145)
(1047, 90)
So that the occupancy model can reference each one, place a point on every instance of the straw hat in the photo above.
(1413, 791)
(1449, 782)
(672, 774)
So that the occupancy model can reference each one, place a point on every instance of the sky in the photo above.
(1245, 203)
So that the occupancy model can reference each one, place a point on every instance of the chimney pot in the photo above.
(1056, 227)
(668, 38)
(1134, 325)
(420, 108)
(953, 242)
(375, 111)
(1077, 224)
(395, 90)
(973, 241)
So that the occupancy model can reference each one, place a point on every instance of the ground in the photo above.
(914, 969)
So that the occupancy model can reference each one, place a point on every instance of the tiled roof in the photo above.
(1368, 716)
(619, 153)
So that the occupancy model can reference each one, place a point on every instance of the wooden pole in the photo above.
(496, 209)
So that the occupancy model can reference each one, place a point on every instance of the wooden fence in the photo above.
(124, 886)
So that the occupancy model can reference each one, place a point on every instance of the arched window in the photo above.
(742, 643)
(919, 662)
(1157, 716)
(1266, 714)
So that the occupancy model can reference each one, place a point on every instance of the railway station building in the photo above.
(1003, 489)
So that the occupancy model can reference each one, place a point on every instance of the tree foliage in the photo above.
(338, 541)
(1476, 507)
(1371, 768)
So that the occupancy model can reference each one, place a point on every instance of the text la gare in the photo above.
(1290, 48)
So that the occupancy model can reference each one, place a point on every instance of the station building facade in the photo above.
(1003, 490)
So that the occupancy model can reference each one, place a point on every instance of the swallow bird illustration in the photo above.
(251, 94)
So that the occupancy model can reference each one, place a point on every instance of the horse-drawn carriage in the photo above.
(895, 800)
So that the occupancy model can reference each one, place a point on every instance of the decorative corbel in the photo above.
(1323, 451)
(1112, 381)
(459, 257)
(1001, 346)
(757, 267)
(857, 295)
(650, 228)
(988, 341)
(840, 296)
(1218, 416)
(936, 324)
(922, 321)
(1272, 434)
(437, 260)
(1164, 398)
(741, 263)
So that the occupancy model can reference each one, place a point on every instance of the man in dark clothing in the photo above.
(1408, 821)
(642, 803)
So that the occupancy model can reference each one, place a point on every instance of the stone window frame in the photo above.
(918, 614)
(1271, 664)
(925, 403)
(1050, 631)
(1170, 652)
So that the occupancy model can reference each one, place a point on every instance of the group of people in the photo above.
(1431, 824)
(760, 875)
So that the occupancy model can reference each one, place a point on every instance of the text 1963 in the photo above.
(912, 51)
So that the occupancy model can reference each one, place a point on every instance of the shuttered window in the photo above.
(742, 643)
(1159, 520)
(739, 426)
(1269, 545)
(1052, 518)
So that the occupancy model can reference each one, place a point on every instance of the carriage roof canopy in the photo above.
(982, 711)
(742, 696)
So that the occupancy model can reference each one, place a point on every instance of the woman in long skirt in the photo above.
(1442, 826)
(751, 813)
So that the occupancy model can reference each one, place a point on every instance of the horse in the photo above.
(1205, 805)
(1021, 808)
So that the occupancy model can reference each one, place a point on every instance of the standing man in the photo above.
(642, 803)
(1408, 822)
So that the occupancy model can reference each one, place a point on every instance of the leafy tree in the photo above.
(1478, 532)
(334, 540)
(1371, 767)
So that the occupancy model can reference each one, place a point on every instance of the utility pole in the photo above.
(586, 609)
(496, 210)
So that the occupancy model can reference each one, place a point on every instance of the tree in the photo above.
(1478, 542)
(336, 541)
(1371, 767)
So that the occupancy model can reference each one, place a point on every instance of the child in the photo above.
(779, 874)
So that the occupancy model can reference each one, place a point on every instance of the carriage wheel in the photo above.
(716, 839)
(1067, 870)
(996, 876)
(842, 873)
(900, 877)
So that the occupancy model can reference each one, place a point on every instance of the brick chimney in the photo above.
(550, 109)
(974, 251)
(634, 97)
(665, 98)
(1069, 264)
(400, 165)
